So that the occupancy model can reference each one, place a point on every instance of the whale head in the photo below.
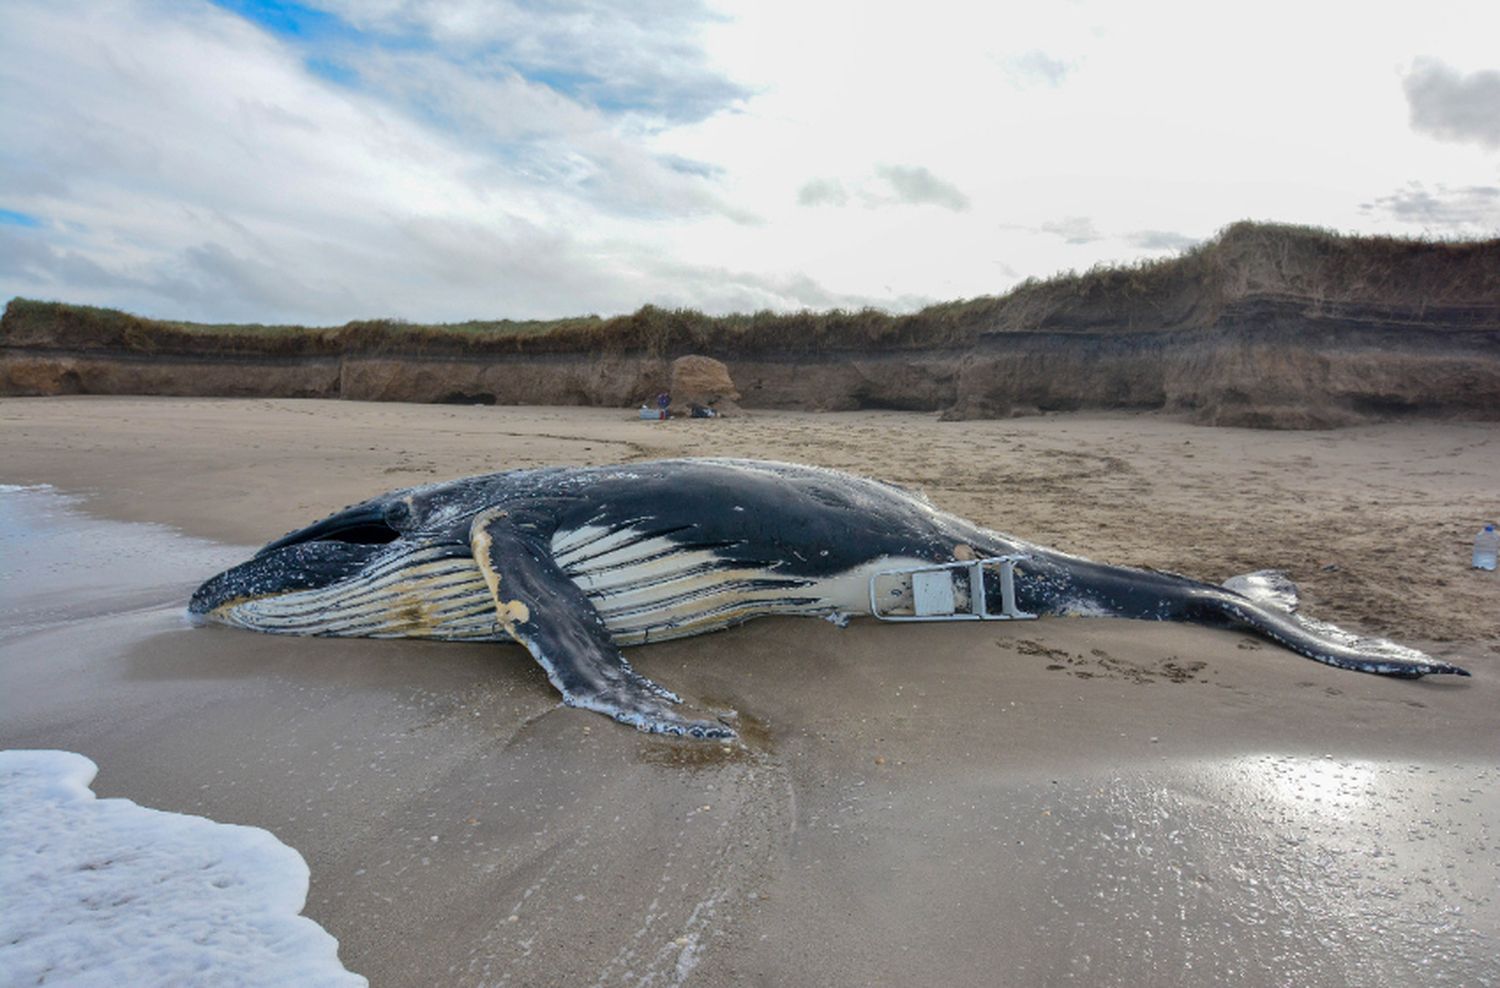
(397, 565)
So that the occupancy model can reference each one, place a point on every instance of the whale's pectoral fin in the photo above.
(545, 611)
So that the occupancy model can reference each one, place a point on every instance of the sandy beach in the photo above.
(1033, 803)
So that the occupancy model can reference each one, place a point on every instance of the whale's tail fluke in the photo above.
(1266, 602)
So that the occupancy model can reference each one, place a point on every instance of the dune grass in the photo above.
(1187, 290)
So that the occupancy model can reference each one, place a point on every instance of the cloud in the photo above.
(1077, 230)
(1036, 67)
(203, 274)
(1471, 209)
(448, 270)
(1452, 106)
(823, 192)
(318, 160)
(691, 166)
(891, 185)
(620, 56)
(189, 165)
(206, 280)
(1072, 229)
(1161, 240)
(721, 290)
(27, 258)
(521, 132)
(915, 185)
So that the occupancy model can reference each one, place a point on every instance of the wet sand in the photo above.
(1059, 801)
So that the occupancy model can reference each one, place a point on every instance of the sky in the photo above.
(328, 160)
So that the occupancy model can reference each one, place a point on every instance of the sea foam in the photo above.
(106, 892)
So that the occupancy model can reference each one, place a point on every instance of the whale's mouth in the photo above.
(317, 564)
(405, 588)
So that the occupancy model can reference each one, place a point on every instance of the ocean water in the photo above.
(59, 563)
(105, 891)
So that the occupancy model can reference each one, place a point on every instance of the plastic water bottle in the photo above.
(1486, 547)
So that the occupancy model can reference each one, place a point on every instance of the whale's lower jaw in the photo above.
(426, 593)
(481, 629)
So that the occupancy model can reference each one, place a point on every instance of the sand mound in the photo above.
(702, 381)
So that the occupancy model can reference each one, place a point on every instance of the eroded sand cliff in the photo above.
(1265, 326)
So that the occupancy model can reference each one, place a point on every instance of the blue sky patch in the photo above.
(325, 68)
(579, 86)
(9, 217)
(292, 20)
(654, 82)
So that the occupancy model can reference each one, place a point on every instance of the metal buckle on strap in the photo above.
(936, 591)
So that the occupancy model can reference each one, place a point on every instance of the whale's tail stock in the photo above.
(1263, 602)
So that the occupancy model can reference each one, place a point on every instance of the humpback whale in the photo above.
(576, 562)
